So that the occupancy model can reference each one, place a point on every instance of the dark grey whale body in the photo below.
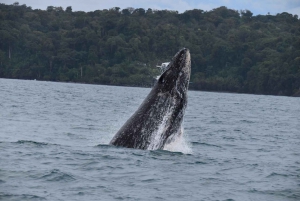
(157, 121)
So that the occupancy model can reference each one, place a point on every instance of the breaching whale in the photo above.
(158, 120)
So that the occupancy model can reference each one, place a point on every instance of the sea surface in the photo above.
(54, 146)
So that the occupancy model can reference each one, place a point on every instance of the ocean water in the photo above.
(54, 146)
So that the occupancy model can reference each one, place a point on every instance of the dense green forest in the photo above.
(231, 50)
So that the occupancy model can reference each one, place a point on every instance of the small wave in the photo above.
(216, 122)
(200, 162)
(247, 121)
(274, 174)
(284, 193)
(160, 152)
(206, 144)
(87, 127)
(20, 197)
(56, 175)
(149, 180)
(263, 150)
(197, 163)
(31, 142)
(229, 137)
(109, 157)
(137, 154)
(105, 146)
(80, 193)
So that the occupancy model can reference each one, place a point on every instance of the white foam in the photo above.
(180, 144)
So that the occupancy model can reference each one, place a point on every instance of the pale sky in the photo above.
(257, 7)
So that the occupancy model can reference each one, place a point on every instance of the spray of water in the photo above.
(180, 144)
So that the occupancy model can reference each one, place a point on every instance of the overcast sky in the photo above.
(262, 7)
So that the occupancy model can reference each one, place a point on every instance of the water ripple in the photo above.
(56, 175)
(54, 146)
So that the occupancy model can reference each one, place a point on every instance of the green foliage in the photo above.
(231, 51)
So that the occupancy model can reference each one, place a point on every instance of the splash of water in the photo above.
(180, 144)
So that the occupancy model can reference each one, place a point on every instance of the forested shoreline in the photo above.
(231, 50)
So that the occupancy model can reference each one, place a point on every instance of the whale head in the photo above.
(177, 76)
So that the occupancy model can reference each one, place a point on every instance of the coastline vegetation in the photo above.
(231, 50)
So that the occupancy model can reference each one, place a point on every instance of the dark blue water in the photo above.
(54, 146)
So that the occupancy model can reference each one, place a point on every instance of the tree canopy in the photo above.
(231, 50)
